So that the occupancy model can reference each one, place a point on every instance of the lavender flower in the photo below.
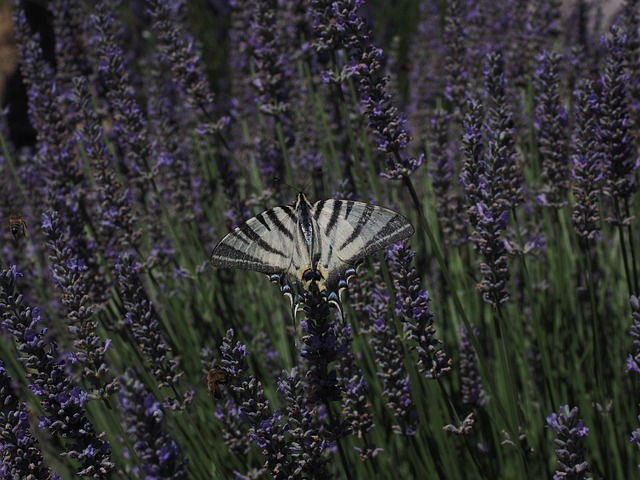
(63, 403)
(19, 449)
(633, 361)
(631, 26)
(70, 276)
(235, 424)
(551, 125)
(71, 56)
(473, 173)
(470, 381)
(160, 455)
(253, 408)
(141, 317)
(320, 349)
(427, 54)
(442, 175)
(387, 348)
(115, 228)
(501, 153)
(635, 437)
(586, 172)
(57, 163)
(358, 417)
(183, 54)
(569, 431)
(338, 26)
(465, 428)
(412, 304)
(456, 43)
(271, 63)
(483, 180)
(129, 123)
(304, 422)
(616, 139)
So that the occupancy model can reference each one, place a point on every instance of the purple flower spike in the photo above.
(483, 178)
(551, 128)
(387, 347)
(470, 381)
(633, 361)
(412, 303)
(616, 138)
(160, 455)
(21, 456)
(146, 328)
(70, 276)
(62, 402)
(587, 165)
(569, 430)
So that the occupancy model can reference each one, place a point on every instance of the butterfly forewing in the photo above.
(355, 230)
(264, 243)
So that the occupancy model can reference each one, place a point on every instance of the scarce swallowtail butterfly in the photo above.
(320, 243)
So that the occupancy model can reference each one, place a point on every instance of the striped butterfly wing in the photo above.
(350, 230)
(264, 243)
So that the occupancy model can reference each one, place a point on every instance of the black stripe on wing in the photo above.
(333, 219)
(362, 221)
(277, 223)
(250, 233)
(227, 256)
(395, 229)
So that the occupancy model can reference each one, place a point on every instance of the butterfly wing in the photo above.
(351, 230)
(264, 243)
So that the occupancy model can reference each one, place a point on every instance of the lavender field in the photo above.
(501, 340)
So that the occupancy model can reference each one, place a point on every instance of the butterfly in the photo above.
(319, 243)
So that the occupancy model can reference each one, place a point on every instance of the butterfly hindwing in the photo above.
(264, 243)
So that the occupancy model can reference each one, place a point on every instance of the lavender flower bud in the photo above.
(182, 53)
(387, 348)
(470, 380)
(412, 304)
(587, 171)
(141, 317)
(129, 123)
(20, 450)
(483, 178)
(160, 455)
(551, 125)
(633, 361)
(356, 407)
(63, 404)
(619, 153)
(320, 348)
(308, 441)
(569, 430)
(70, 276)
(253, 408)
(507, 178)
(448, 202)
(116, 220)
(339, 26)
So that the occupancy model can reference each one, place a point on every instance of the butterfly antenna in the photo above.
(282, 182)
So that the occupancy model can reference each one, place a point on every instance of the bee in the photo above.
(217, 376)
(18, 227)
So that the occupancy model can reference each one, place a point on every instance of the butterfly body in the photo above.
(314, 243)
